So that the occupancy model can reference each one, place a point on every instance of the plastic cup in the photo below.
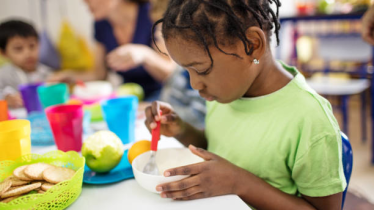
(56, 94)
(120, 116)
(3, 111)
(66, 124)
(14, 139)
(30, 97)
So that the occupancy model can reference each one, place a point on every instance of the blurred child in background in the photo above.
(20, 45)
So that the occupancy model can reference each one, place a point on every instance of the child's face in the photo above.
(230, 77)
(23, 52)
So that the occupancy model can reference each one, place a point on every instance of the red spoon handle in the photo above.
(156, 135)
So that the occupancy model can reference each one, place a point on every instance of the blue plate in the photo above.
(121, 172)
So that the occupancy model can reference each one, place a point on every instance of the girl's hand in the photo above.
(171, 124)
(216, 176)
(127, 57)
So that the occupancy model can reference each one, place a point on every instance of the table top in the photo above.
(128, 194)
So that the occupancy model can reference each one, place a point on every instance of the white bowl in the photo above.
(93, 90)
(165, 159)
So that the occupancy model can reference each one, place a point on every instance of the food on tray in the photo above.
(103, 151)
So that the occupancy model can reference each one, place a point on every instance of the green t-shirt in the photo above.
(288, 138)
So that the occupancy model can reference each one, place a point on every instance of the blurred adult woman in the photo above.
(123, 31)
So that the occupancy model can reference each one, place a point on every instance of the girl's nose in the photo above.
(196, 83)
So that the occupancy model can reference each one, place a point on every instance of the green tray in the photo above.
(61, 195)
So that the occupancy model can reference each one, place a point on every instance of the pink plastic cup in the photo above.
(66, 124)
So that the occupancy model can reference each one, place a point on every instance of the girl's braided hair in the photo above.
(219, 22)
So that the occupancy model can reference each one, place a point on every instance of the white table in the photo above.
(336, 86)
(129, 195)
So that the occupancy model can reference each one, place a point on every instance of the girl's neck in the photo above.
(272, 77)
(124, 13)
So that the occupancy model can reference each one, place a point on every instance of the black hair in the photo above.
(13, 28)
(219, 22)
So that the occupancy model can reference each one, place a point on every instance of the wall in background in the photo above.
(288, 8)
(75, 11)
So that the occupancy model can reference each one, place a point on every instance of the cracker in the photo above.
(58, 174)
(39, 188)
(4, 186)
(47, 186)
(7, 200)
(10, 188)
(21, 190)
(41, 191)
(17, 182)
(19, 173)
(35, 171)
(9, 177)
(38, 182)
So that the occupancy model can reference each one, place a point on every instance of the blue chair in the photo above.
(347, 162)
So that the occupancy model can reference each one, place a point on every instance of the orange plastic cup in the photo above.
(14, 139)
(3, 110)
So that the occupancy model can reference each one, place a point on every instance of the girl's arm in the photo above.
(262, 195)
(217, 176)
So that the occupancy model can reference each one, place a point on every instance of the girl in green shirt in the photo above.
(269, 138)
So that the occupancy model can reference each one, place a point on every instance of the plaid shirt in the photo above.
(11, 77)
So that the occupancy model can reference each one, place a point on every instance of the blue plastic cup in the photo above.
(120, 116)
(30, 97)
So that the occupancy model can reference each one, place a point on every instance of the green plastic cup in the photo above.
(50, 95)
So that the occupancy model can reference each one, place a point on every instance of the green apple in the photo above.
(131, 89)
(103, 151)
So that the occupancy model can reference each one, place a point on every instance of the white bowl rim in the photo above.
(150, 175)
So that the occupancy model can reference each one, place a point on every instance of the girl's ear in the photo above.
(259, 42)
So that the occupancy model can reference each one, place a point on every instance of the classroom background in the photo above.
(321, 37)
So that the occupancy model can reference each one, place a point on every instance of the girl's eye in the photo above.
(205, 72)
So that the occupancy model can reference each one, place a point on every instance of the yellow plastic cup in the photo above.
(14, 139)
